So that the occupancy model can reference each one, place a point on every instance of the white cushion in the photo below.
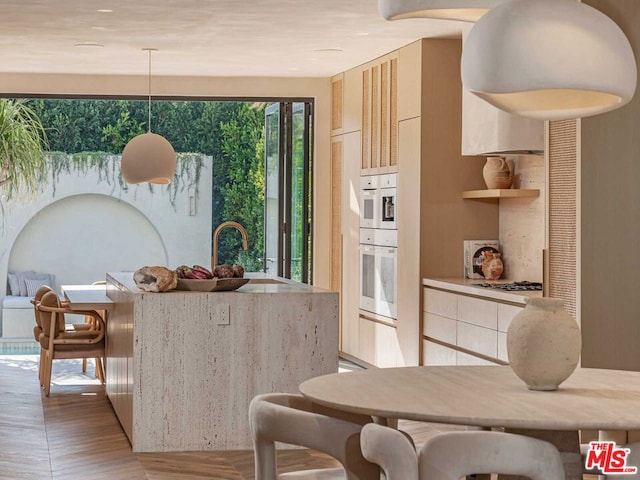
(22, 276)
(320, 474)
(14, 286)
(16, 302)
(33, 286)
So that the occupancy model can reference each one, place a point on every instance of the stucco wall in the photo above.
(80, 227)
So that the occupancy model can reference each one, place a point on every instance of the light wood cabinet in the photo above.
(350, 237)
(379, 344)
(472, 329)
(380, 116)
(409, 122)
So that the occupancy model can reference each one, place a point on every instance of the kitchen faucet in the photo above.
(216, 234)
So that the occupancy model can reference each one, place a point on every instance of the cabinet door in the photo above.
(380, 116)
(352, 101)
(337, 102)
(350, 219)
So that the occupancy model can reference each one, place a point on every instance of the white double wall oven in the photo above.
(378, 245)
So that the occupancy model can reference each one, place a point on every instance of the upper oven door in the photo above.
(369, 213)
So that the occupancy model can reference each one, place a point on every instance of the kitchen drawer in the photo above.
(483, 313)
(502, 347)
(440, 328)
(505, 315)
(477, 339)
(465, 359)
(435, 354)
(440, 303)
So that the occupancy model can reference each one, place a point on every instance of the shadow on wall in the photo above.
(80, 238)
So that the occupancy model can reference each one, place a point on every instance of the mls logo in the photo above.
(608, 458)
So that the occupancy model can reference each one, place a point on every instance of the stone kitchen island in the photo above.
(183, 366)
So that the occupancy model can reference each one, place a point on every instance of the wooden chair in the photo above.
(454, 455)
(292, 419)
(56, 343)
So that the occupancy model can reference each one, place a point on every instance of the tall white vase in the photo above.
(543, 344)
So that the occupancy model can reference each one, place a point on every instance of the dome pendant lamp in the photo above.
(148, 157)
(464, 10)
(549, 60)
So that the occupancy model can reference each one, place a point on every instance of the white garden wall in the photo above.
(85, 224)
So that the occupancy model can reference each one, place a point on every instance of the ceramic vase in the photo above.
(492, 266)
(543, 344)
(497, 173)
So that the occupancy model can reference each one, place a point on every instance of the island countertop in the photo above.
(258, 283)
(183, 366)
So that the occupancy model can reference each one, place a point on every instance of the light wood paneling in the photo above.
(365, 152)
(350, 242)
(336, 214)
(337, 89)
(393, 116)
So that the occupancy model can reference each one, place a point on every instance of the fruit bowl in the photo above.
(211, 285)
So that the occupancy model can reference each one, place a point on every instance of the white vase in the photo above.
(543, 344)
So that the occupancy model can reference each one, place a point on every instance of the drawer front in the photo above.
(506, 314)
(465, 359)
(440, 328)
(440, 303)
(478, 339)
(435, 354)
(502, 347)
(387, 346)
(483, 313)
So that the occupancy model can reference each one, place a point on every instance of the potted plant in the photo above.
(22, 144)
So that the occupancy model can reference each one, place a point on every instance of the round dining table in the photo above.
(490, 396)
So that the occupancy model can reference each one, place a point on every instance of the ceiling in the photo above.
(291, 38)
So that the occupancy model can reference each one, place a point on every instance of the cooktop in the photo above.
(515, 286)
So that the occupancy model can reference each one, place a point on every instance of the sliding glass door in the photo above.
(288, 190)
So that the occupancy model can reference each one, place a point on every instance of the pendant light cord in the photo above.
(149, 90)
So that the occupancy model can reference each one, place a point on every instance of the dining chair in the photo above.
(57, 343)
(454, 455)
(633, 460)
(291, 419)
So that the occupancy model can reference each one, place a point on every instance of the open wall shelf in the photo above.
(502, 193)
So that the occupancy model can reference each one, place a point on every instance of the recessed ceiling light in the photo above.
(88, 44)
(335, 49)
(98, 28)
(362, 34)
(105, 10)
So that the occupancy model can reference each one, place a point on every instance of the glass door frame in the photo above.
(286, 110)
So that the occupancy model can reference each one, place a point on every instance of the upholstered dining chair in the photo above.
(454, 455)
(292, 419)
(56, 343)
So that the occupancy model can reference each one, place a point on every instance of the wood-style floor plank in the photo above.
(75, 435)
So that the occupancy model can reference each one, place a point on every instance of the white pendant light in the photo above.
(549, 60)
(464, 10)
(148, 157)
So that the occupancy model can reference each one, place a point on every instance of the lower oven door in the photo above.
(368, 278)
(387, 274)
